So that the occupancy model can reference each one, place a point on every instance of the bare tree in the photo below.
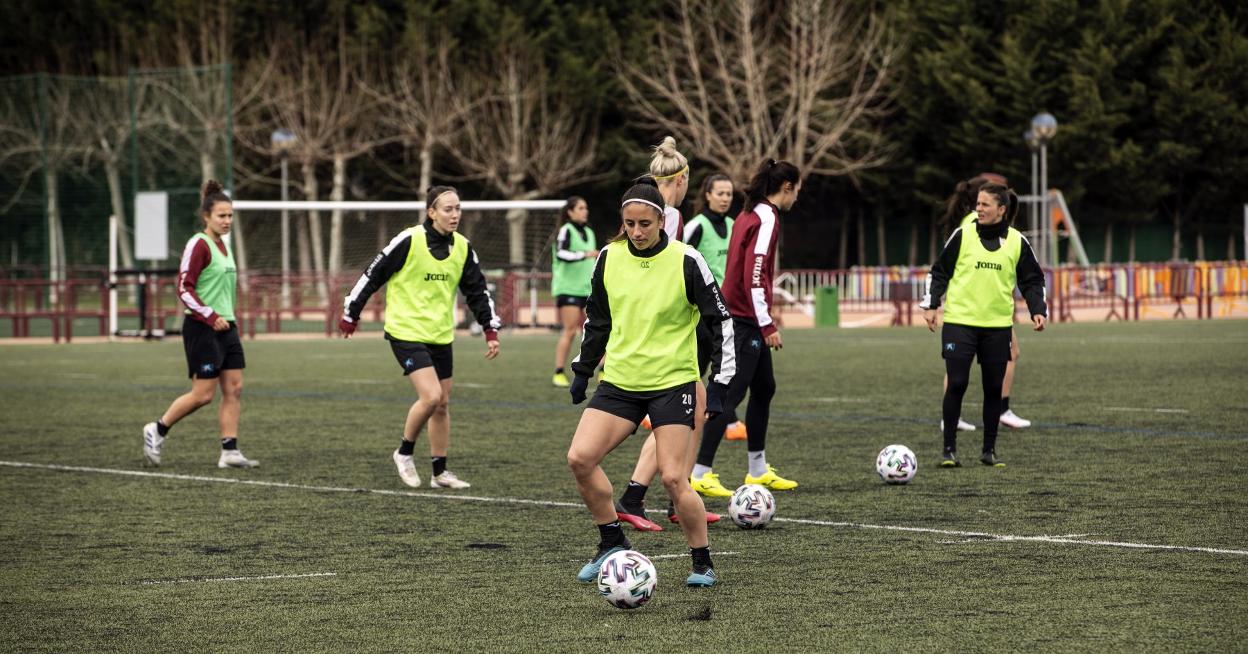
(523, 140)
(415, 96)
(313, 92)
(742, 83)
(37, 136)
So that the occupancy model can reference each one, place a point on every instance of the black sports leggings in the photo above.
(959, 378)
(755, 375)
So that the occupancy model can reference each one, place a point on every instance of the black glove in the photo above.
(716, 393)
(577, 389)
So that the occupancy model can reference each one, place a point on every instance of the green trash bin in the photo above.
(827, 307)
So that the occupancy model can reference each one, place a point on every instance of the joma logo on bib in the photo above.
(987, 264)
(437, 277)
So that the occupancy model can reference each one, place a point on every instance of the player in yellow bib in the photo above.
(961, 208)
(422, 269)
(976, 273)
(208, 285)
(647, 295)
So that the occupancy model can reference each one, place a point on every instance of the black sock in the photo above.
(1005, 404)
(559, 370)
(701, 556)
(229, 443)
(161, 428)
(406, 447)
(439, 465)
(635, 495)
(611, 535)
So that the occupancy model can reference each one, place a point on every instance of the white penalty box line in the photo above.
(986, 536)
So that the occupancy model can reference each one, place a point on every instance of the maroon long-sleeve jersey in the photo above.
(752, 265)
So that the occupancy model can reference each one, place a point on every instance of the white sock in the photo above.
(758, 463)
(699, 470)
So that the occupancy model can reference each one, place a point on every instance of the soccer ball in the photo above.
(627, 579)
(896, 464)
(751, 506)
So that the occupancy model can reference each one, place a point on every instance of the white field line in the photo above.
(1062, 540)
(196, 581)
(1128, 408)
(685, 556)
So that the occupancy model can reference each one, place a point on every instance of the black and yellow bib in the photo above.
(420, 298)
(981, 291)
(653, 342)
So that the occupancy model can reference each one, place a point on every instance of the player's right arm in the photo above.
(597, 323)
(387, 262)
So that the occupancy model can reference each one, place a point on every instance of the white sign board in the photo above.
(151, 225)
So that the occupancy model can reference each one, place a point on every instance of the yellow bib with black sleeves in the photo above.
(981, 290)
(653, 343)
(420, 298)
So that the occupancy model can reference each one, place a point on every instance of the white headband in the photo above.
(656, 207)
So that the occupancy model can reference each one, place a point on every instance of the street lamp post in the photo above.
(1033, 144)
(283, 140)
(1044, 127)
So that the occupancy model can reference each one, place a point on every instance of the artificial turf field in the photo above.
(1140, 432)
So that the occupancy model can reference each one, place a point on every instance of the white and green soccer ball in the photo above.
(627, 579)
(896, 464)
(752, 506)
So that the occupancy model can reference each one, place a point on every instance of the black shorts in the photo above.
(990, 344)
(414, 356)
(670, 406)
(570, 301)
(209, 351)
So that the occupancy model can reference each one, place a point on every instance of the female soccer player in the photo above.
(962, 204)
(422, 267)
(571, 267)
(207, 285)
(709, 232)
(978, 271)
(647, 295)
(747, 290)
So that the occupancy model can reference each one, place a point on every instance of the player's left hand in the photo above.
(577, 389)
(1039, 321)
(346, 327)
(715, 395)
(929, 316)
(492, 349)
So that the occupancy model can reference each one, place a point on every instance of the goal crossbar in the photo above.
(370, 205)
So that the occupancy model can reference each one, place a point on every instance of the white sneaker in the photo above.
(152, 442)
(448, 480)
(962, 425)
(235, 459)
(407, 469)
(1014, 422)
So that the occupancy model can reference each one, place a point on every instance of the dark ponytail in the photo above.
(965, 194)
(770, 177)
(211, 193)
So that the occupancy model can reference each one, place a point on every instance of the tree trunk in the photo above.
(303, 246)
(1200, 240)
(842, 253)
(56, 238)
(125, 245)
(311, 191)
(383, 234)
(931, 241)
(1131, 245)
(205, 164)
(912, 257)
(516, 218)
(1230, 243)
(880, 244)
(860, 225)
(337, 194)
(426, 162)
(1176, 241)
(239, 243)
(1109, 243)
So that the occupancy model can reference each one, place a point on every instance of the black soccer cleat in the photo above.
(950, 460)
(989, 458)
